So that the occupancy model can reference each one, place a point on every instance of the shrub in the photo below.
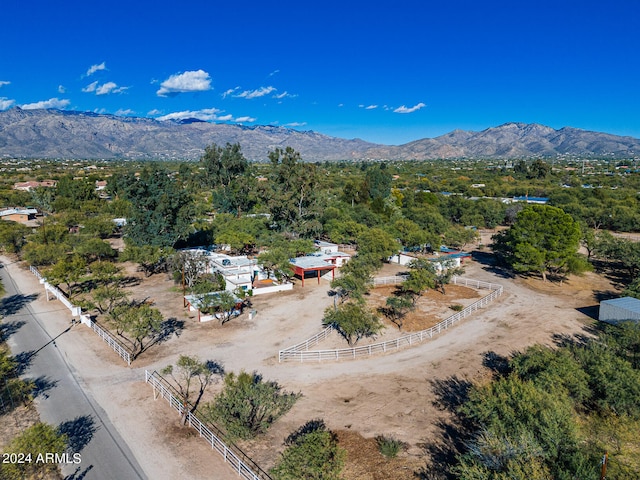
(390, 447)
(456, 307)
(312, 453)
(247, 405)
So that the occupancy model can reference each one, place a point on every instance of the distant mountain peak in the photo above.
(86, 135)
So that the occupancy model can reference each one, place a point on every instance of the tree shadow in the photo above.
(442, 452)
(14, 303)
(577, 339)
(9, 328)
(23, 361)
(168, 328)
(215, 367)
(450, 392)
(497, 363)
(129, 281)
(451, 434)
(601, 295)
(491, 264)
(41, 386)
(78, 474)
(79, 432)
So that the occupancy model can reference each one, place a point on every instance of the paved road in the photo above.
(104, 455)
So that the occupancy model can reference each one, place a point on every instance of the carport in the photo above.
(303, 265)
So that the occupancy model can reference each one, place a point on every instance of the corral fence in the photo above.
(393, 280)
(236, 458)
(300, 352)
(106, 336)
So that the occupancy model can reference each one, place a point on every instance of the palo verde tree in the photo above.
(186, 371)
(139, 325)
(353, 321)
(542, 240)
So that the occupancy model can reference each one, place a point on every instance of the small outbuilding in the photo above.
(619, 310)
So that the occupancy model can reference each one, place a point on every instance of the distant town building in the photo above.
(20, 215)
(28, 186)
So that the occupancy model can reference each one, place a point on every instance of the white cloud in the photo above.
(245, 119)
(190, 81)
(230, 92)
(225, 118)
(91, 87)
(295, 124)
(260, 92)
(155, 111)
(284, 94)
(6, 103)
(404, 109)
(273, 73)
(106, 88)
(125, 112)
(4, 82)
(207, 115)
(62, 89)
(51, 103)
(95, 68)
(110, 87)
(371, 107)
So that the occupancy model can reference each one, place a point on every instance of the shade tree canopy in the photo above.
(543, 240)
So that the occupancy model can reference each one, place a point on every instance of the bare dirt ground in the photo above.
(393, 395)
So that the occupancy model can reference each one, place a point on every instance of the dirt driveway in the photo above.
(391, 394)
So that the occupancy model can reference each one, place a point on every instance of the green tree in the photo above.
(223, 304)
(543, 240)
(248, 405)
(139, 325)
(39, 439)
(422, 276)
(12, 236)
(292, 194)
(312, 453)
(161, 208)
(152, 259)
(69, 270)
(397, 308)
(227, 172)
(108, 296)
(377, 244)
(353, 321)
(186, 371)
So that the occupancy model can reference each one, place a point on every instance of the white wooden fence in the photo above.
(240, 462)
(301, 352)
(394, 280)
(120, 349)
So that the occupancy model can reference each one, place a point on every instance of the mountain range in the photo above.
(83, 135)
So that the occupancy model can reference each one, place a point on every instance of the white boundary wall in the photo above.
(117, 347)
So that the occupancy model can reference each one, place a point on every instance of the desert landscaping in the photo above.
(398, 394)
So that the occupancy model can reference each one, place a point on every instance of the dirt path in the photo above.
(391, 394)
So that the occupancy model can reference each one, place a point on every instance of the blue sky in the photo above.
(383, 72)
